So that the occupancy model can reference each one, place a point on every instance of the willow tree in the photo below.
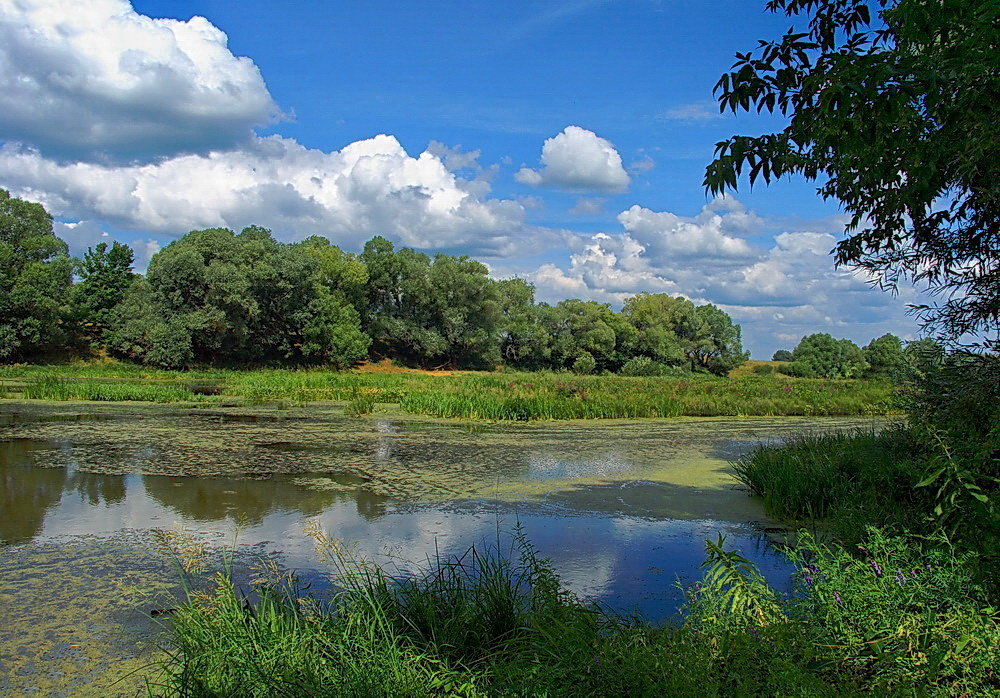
(894, 107)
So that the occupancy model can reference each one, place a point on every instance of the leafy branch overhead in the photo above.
(894, 105)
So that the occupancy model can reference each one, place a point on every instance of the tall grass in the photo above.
(814, 476)
(62, 389)
(905, 618)
(554, 396)
(522, 396)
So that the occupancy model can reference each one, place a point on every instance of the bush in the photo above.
(584, 364)
(645, 366)
(782, 355)
(765, 369)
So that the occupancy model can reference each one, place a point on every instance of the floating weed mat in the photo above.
(104, 391)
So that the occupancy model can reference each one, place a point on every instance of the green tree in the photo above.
(719, 345)
(143, 329)
(782, 355)
(885, 358)
(898, 116)
(822, 356)
(105, 276)
(579, 327)
(35, 275)
(924, 356)
(214, 295)
(666, 326)
(523, 339)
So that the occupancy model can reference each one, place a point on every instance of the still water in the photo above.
(621, 507)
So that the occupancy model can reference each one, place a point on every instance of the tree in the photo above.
(665, 325)
(899, 116)
(214, 295)
(524, 341)
(105, 276)
(35, 275)
(822, 356)
(719, 346)
(782, 355)
(578, 328)
(885, 358)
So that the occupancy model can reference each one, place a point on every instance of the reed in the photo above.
(64, 389)
(495, 621)
(507, 396)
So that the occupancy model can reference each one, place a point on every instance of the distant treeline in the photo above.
(884, 358)
(215, 296)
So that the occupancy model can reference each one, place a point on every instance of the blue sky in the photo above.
(564, 142)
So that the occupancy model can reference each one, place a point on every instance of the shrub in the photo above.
(584, 364)
(645, 366)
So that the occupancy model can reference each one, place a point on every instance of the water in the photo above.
(622, 508)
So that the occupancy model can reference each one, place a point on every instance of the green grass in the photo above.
(514, 396)
(62, 389)
(814, 476)
(904, 619)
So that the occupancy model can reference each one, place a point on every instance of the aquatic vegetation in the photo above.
(104, 391)
(506, 396)
(497, 621)
(556, 396)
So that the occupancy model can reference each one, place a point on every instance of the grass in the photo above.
(814, 476)
(904, 619)
(498, 396)
(62, 389)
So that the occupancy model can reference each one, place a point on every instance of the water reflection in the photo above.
(26, 493)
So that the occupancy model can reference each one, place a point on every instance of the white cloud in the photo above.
(588, 207)
(99, 81)
(453, 157)
(713, 233)
(643, 164)
(790, 288)
(578, 160)
(369, 187)
(693, 113)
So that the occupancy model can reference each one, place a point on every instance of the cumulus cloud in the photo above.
(368, 187)
(786, 289)
(712, 234)
(578, 160)
(96, 80)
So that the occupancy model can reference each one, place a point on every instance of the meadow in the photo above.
(498, 396)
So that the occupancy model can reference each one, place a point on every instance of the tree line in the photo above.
(220, 297)
(887, 357)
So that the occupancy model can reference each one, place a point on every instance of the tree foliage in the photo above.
(217, 296)
(821, 356)
(105, 276)
(35, 275)
(893, 105)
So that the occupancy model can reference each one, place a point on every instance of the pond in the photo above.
(621, 507)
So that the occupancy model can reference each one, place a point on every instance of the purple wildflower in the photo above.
(836, 597)
(809, 579)
(900, 577)
(877, 568)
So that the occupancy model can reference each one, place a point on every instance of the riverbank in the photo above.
(487, 396)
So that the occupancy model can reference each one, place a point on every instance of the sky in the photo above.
(563, 142)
